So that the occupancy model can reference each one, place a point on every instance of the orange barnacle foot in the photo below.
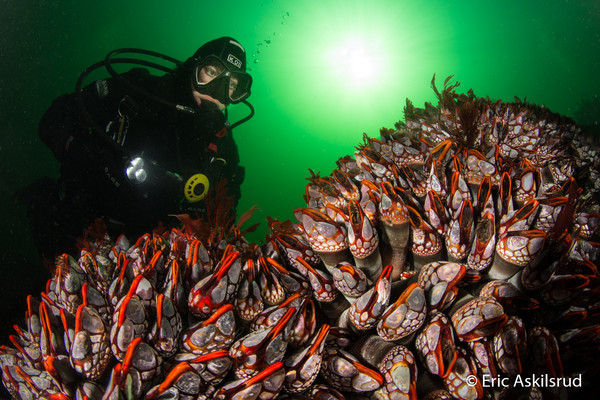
(198, 260)
(259, 349)
(526, 185)
(512, 299)
(399, 370)
(272, 315)
(326, 237)
(344, 372)
(579, 347)
(51, 342)
(303, 366)
(478, 169)
(118, 382)
(321, 391)
(461, 232)
(89, 390)
(436, 213)
(552, 210)
(415, 179)
(90, 350)
(291, 241)
(351, 281)
(478, 318)
(174, 286)
(322, 192)
(130, 321)
(140, 367)
(265, 385)
(375, 166)
(291, 281)
(517, 247)
(510, 346)
(363, 241)
(182, 381)
(165, 332)
(405, 316)
(248, 302)
(518, 220)
(345, 185)
(98, 270)
(23, 382)
(272, 291)
(65, 286)
(588, 224)
(368, 308)
(439, 279)
(482, 251)
(462, 381)
(217, 289)
(213, 367)
(321, 282)
(427, 243)
(564, 289)
(62, 373)
(459, 192)
(482, 351)
(436, 345)
(535, 276)
(516, 250)
(325, 292)
(436, 180)
(216, 333)
(504, 202)
(304, 324)
(396, 364)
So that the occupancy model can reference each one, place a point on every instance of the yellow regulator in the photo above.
(196, 188)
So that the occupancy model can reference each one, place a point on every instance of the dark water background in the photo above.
(309, 112)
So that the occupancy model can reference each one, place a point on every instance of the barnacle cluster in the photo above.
(456, 251)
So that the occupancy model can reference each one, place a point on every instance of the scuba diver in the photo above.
(136, 147)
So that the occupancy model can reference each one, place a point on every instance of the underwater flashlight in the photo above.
(136, 171)
(148, 177)
(150, 180)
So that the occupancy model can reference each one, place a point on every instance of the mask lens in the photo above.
(208, 70)
(239, 86)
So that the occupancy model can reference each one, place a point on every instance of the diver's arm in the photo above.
(62, 125)
(73, 126)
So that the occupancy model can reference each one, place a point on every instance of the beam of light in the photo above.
(354, 64)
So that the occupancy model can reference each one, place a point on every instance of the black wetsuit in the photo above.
(93, 181)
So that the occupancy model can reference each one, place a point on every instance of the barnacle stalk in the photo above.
(396, 225)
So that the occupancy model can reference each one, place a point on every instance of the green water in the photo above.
(313, 92)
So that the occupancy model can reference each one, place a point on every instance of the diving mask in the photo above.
(213, 78)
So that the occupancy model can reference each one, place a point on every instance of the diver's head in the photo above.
(219, 73)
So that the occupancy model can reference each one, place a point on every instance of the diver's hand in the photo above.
(199, 97)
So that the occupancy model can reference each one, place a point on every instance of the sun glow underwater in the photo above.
(354, 64)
